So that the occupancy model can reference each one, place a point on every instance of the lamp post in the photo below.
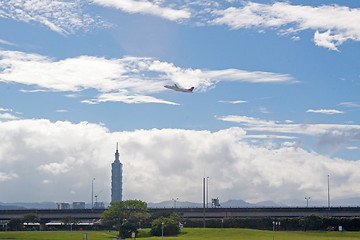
(329, 192)
(5, 226)
(307, 201)
(207, 192)
(204, 223)
(162, 231)
(175, 199)
(92, 193)
(275, 224)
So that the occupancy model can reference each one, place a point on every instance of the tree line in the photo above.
(127, 216)
(311, 222)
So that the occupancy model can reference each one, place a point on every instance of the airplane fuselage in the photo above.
(176, 88)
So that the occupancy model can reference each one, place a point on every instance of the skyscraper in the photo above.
(116, 178)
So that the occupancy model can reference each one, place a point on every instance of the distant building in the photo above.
(78, 205)
(62, 205)
(116, 178)
(99, 205)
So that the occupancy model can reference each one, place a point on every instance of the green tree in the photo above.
(31, 218)
(169, 226)
(124, 214)
(15, 224)
(68, 220)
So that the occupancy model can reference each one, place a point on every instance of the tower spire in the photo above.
(117, 152)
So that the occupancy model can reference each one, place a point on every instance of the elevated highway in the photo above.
(95, 214)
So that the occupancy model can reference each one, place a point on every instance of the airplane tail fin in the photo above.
(191, 89)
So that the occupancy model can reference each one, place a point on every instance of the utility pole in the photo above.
(329, 192)
(207, 192)
(92, 193)
(204, 224)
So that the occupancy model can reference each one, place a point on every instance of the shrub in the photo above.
(169, 225)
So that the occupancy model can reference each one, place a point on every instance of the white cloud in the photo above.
(352, 148)
(256, 124)
(332, 136)
(146, 7)
(66, 156)
(128, 79)
(333, 24)
(325, 111)
(6, 42)
(7, 176)
(63, 17)
(61, 110)
(56, 168)
(349, 104)
(121, 97)
(233, 102)
(7, 116)
(264, 110)
(269, 136)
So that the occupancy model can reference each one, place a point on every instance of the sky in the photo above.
(273, 116)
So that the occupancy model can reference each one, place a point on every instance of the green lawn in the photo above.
(191, 234)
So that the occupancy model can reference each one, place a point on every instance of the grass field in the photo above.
(189, 233)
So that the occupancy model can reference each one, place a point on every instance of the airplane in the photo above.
(176, 88)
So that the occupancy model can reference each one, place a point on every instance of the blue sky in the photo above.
(274, 111)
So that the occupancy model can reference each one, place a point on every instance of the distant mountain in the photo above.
(236, 203)
(10, 207)
(180, 204)
(171, 204)
(350, 202)
(21, 205)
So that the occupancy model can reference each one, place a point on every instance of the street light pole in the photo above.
(307, 201)
(92, 193)
(162, 231)
(275, 224)
(207, 192)
(204, 224)
(329, 192)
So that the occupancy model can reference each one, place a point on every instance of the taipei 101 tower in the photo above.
(116, 178)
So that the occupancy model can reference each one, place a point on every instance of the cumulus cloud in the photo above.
(325, 111)
(331, 136)
(128, 79)
(5, 110)
(67, 156)
(63, 17)
(333, 24)
(146, 7)
(7, 116)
